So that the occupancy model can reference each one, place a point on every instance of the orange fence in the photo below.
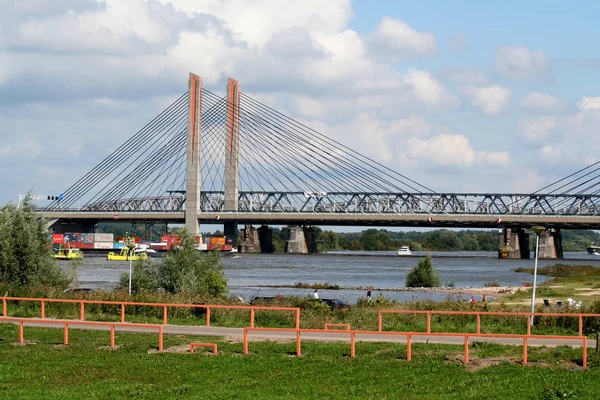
(409, 336)
(164, 306)
(478, 315)
(66, 323)
(193, 345)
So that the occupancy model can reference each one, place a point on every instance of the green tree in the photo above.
(187, 270)
(145, 277)
(25, 253)
(329, 241)
(423, 275)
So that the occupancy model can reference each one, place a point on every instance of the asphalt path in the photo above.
(237, 334)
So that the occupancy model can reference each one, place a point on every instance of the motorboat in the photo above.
(125, 255)
(68, 253)
(404, 251)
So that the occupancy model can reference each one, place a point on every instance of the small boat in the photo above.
(125, 255)
(68, 253)
(593, 249)
(404, 251)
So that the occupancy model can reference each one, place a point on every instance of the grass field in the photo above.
(86, 369)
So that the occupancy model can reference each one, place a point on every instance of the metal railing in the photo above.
(165, 307)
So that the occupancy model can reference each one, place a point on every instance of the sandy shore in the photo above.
(495, 292)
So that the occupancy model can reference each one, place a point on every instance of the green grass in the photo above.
(380, 371)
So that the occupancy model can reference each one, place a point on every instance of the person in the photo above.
(369, 293)
(484, 298)
(472, 300)
(316, 294)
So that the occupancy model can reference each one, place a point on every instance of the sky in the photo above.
(461, 96)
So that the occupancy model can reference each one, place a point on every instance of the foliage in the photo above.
(491, 284)
(562, 270)
(183, 270)
(25, 255)
(423, 275)
(187, 270)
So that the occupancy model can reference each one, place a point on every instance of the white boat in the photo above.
(404, 251)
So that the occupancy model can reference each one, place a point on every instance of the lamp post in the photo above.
(131, 249)
(538, 231)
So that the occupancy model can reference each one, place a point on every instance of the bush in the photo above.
(144, 277)
(423, 275)
(491, 284)
(25, 254)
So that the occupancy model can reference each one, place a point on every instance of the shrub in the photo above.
(25, 254)
(423, 275)
(491, 284)
(144, 277)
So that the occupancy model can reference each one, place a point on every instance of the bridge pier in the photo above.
(193, 183)
(514, 243)
(256, 240)
(550, 246)
(302, 240)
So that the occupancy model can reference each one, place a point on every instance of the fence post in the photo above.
(112, 336)
(66, 334)
(298, 345)
(164, 315)
(122, 312)
(379, 321)
(524, 350)
(428, 322)
(580, 325)
(207, 316)
(160, 338)
(478, 323)
(584, 352)
(21, 339)
(352, 344)
(3, 307)
(408, 348)
(297, 318)
(466, 349)
(43, 309)
(81, 311)
(245, 341)
(529, 325)
(252, 317)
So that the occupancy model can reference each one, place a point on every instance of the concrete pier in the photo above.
(550, 246)
(514, 243)
(297, 242)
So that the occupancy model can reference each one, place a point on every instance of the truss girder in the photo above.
(368, 203)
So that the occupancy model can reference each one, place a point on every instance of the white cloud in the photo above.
(395, 39)
(541, 102)
(537, 128)
(588, 104)
(520, 62)
(429, 90)
(24, 146)
(491, 100)
(468, 77)
(551, 154)
(452, 151)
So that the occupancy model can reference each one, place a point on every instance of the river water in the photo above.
(247, 272)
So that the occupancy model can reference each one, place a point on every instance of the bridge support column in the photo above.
(514, 243)
(297, 242)
(265, 235)
(311, 240)
(250, 240)
(550, 246)
(194, 134)
(231, 158)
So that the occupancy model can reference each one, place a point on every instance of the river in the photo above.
(247, 272)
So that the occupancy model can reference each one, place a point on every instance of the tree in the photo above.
(187, 270)
(329, 241)
(25, 253)
(423, 275)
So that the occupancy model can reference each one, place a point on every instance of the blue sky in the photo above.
(463, 96)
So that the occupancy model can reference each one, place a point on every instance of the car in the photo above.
(335, 304)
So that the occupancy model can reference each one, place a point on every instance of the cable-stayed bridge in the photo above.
(235, 160)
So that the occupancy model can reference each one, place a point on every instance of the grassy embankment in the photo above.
(579, 282)
(85, 368)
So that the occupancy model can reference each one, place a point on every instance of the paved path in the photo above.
(237, 334)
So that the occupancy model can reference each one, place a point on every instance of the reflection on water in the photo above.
(247, 272)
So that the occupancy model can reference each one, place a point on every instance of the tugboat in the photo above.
(125, 255)
(68, 253)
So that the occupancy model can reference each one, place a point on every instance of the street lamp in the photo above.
(538, 231)
(131, 247)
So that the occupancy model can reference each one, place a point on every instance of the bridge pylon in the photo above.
(232, 146)
(193, 183)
